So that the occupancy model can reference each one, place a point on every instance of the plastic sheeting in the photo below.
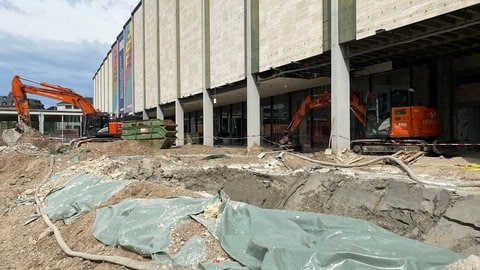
(264, 238)
(276, 239)
(144, 225)
(79, 195)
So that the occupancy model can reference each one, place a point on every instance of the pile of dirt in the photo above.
(257, 176)
(25, 134)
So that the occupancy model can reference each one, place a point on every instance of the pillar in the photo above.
(340, 80)
(207, 99)
(252, 56)
(179, 112)
(179, 120)
(160, 113)
(41, 123)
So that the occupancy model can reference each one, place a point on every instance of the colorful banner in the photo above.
(115, 78)
(121, 74)
(128, 35)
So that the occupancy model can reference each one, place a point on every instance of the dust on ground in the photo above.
(258, 176)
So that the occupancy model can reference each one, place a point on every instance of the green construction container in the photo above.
(155, 133)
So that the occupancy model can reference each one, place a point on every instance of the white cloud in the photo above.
(60, 42)
(69, 64)
(66, 20)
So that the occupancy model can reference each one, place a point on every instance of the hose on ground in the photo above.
(127, 262)
(398, 161)
(471, 167)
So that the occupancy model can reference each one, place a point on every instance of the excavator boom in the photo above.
(318, 101)
(95, 123)
(323, 100)
(19, 91)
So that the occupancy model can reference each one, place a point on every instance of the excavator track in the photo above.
(78, 142)
(158, 134)
(381, 146)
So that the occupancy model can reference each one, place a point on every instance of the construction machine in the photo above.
(389, 120)
(95, 123)
(96, 126)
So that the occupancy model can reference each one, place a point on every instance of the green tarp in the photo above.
(79, 195)
(256, 238)
(144, 226)
(263, 238)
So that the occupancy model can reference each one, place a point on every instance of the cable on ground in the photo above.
(127, 262)
(398, 161)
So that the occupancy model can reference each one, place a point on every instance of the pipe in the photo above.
(402, 165)
(127, 262)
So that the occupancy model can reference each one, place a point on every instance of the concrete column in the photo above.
(159, 86)
(81, 126)
(179, 113)
(62, 126)
(253, 112)
(160, 113)
(41, 123)
(252, 55)
(207, 100)
(207, 119)
(340, 87)
(179, 120)
(144, 80)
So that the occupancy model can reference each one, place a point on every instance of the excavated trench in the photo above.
(446, 217)
(434, 215)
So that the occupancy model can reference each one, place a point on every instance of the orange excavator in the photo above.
(319, 101)
(389, 120)
(95, 123)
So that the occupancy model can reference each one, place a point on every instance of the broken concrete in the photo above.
(10, 136)
(423, 213)
(380, 193)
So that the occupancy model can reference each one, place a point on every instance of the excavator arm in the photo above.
(319, 101)
(19, 91)
(310, 103)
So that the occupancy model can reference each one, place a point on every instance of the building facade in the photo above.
(7, 101)
(236, 71)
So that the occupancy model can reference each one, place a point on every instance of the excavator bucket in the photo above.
(11, 136)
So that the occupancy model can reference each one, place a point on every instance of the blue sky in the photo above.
(60, 42)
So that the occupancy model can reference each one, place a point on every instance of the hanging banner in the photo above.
(128, 37)
(115, 78)
(121, 74)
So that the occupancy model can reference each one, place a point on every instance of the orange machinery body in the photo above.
(115, 128)
(414, 122)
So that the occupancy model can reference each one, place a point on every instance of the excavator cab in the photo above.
(392, 114)
(96, 124)
(379, 109)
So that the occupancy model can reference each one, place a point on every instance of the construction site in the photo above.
(406, 210)
(269, 134)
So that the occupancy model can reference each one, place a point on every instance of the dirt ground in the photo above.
(258, 176)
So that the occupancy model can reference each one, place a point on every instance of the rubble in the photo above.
(380, 193)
